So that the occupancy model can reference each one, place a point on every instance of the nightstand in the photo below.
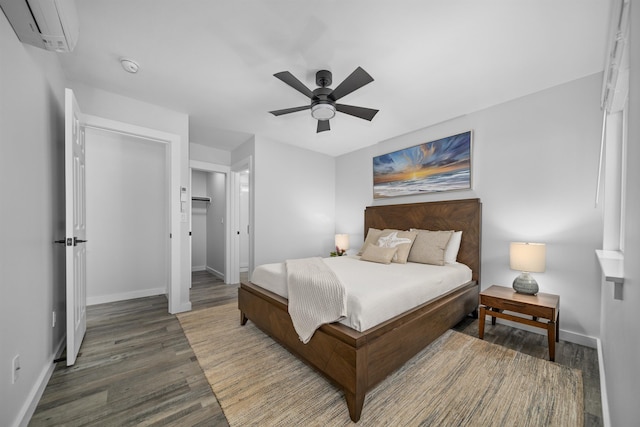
(497, 299)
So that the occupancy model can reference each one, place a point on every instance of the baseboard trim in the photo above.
(184, 307)
(198, 268)
(576, 338)
(606, 416)
(216, 273)
(125, 296)
(31, 403)
(565, 335)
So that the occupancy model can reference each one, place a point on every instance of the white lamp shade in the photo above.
(529, 257)
(342, 241)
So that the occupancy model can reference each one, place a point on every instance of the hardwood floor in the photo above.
(136, 367)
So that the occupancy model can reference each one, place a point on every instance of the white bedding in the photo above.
(376, 292)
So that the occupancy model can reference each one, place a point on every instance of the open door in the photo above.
(76, 227)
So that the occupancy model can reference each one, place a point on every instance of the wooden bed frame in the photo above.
(357, 361)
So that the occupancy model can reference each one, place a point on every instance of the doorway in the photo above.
(235, 229)
(208, 222)
(127, 209)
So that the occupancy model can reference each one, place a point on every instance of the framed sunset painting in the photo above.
(431, 167)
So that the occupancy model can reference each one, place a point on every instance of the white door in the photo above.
(244, 221)
(76, 227)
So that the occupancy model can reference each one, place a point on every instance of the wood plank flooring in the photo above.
(136, 367)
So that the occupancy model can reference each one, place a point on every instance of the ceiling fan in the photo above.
(323, 104)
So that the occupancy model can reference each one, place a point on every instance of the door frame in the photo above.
(245, 164)
(173, 201)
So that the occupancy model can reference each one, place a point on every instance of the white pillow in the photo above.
(403, 240)
(451, 252)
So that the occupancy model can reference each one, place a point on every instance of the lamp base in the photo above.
(525, 284)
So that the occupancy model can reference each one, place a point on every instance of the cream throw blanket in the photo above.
(316, 296)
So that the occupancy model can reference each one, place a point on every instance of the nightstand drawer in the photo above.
(518, 307)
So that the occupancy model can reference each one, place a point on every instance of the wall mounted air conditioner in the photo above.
(48, 24)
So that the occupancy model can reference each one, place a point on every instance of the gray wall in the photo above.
(31, 218)
(534, 168)
(216, 223)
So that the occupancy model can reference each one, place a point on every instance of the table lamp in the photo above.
(342, 244)
(527, 258)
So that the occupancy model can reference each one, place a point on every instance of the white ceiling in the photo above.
(431, 60)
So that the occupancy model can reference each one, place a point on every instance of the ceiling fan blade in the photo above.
(360, 112)
(323, 125)
(289, 110)
(356, 80)
(290, 79)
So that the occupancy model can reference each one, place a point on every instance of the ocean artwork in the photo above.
(436, 166)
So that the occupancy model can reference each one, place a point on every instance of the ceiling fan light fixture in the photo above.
(323, 111)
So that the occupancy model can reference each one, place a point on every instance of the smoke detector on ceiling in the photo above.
(129, 65)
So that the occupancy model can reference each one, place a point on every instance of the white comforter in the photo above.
(375, 292)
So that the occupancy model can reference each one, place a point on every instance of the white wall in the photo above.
(126, 217)
(216, 224)
(199, 221)
(534, 169)
(294, 202)
(619, 331)
(203, 153)
(128, 110)
(31, 218)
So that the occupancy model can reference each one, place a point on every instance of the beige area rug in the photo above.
(458, 380)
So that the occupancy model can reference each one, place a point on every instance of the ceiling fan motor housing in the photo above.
(323, 78)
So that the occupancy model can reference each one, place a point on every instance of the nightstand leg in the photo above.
(493, 319)
(558, 328)
(551, 332)
(481, 320)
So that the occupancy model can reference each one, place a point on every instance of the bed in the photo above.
(357, 361)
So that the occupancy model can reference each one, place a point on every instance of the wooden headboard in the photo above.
(459, 215)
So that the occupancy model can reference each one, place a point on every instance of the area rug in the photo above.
(458, 380)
